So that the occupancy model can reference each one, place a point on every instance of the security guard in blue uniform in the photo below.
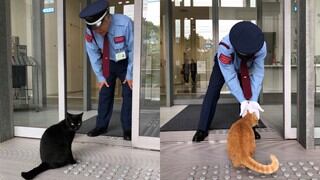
(109, 44)
(239, 62)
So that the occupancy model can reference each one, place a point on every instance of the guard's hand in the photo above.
(129, 83)
(102, 83)
(244, 108)
(254, 107)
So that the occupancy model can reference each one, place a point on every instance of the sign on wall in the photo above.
(48, 10)
(201, 67)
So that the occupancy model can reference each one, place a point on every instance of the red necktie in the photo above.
(105, 57)
(245, 80)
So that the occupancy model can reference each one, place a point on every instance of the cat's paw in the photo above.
(24, 175)
(73, 161)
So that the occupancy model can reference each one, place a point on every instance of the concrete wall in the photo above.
(6, 122)
(317, 29)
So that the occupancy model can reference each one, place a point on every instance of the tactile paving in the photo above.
(111, 171)
(298, 169)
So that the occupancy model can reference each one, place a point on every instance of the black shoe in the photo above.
(256, 134)
(96, 132)
(199, 136)
(127, 135)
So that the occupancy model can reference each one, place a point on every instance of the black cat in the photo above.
(55, 145)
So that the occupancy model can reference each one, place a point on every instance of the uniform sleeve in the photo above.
(95, 59)
(257, 72)
(225, 59)
(129, 43)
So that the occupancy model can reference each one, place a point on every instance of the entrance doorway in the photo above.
(198, 28)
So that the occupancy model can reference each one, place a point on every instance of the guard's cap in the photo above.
(94, 13)
(246, 38)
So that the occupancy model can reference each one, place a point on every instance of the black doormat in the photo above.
(114, 129)
(187, 120)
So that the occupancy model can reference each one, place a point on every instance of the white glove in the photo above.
(254, 107)
(244, 108)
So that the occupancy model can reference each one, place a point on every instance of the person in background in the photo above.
(193, 69)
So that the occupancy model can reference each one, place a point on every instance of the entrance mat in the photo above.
(114, 129)
(187, 119)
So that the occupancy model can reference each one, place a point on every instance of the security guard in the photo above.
(109, 44)
(239, 62)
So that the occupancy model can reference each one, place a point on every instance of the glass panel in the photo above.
(238, 3)
(111, 9)
(193, 47)
(233, 3)
(177, 30)
(294, 70)
(187, 28)
(187, 2)
(317, 67)
(128, 10)
(163, 62)
(252, 3)
(272, 97)
(204, 3)
(35, 81)
(115, 128)
(150, 71)
(116, 7)
(177, 2)
(75, 57)
(227, 18)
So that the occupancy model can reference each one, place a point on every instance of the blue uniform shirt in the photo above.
(229, 64)
(120, 37)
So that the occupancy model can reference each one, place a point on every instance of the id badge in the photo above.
(121, 56)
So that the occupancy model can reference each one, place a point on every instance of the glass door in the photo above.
(193, 44)
(82, 89)
(38, 65)
(146, 75)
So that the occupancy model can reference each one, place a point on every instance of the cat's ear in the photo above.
(80, 115)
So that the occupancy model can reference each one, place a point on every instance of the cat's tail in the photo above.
(35, 171)
(261, 168)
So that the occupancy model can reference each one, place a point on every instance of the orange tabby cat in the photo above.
(241, 146)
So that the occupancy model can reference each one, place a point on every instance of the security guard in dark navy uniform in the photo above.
(239, 62)
(109, 44)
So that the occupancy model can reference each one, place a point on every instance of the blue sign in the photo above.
(48, 10)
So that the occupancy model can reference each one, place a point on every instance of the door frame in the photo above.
(138, 140)
(289, 131)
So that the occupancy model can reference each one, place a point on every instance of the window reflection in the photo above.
(150, 70)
